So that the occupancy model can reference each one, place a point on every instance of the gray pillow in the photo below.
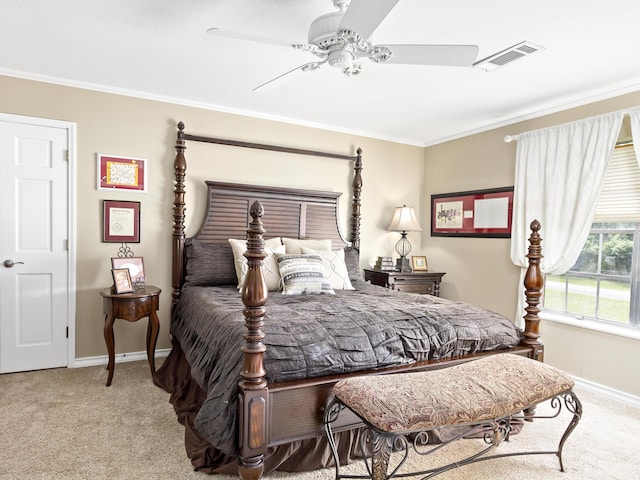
(352, 260)
(209, 264)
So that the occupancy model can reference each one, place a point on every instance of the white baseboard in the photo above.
(612, 393)
(120, 357)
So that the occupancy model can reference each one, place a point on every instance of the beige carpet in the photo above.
(65, 424)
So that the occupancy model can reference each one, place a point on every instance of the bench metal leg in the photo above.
(331, 413)
(574, 406)
(495, 432)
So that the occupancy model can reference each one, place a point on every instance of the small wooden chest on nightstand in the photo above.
(427, 283)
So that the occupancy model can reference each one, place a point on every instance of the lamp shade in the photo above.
(404, 220)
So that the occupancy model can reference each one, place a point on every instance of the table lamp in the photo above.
(404, 220)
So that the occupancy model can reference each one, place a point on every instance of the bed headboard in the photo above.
(293, 213)
(288, 212)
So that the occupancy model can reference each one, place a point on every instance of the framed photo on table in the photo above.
(121, 221)
(122, 280)
(419, 263)
(135, 265)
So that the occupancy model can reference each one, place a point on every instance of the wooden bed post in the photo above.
(355, 205)
(253, 397)
(533, 283)
(179, 168)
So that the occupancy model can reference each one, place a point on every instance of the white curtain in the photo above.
(559, 173)
(634, 116)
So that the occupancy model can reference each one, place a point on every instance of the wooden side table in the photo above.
(143, 302)
(412, 282)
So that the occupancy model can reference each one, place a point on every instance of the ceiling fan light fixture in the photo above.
(341, 59)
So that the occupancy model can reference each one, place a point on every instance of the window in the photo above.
(604, 283)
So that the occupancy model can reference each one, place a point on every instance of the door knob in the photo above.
(10, 263)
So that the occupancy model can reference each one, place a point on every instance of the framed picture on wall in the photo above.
(121, 221)
(476, 213)
(122, 173)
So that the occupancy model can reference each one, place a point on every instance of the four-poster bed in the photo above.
(277, 420)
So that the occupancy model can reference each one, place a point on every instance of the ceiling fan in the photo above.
(340, 39)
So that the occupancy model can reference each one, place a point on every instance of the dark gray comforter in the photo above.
(314, 335)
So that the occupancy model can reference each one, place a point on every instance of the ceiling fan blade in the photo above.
(219, 32)
(287, 76)
(364, 16)
(447, 55)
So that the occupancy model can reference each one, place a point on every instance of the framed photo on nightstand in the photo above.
(135, 266)
(122, 280)
(419, 263)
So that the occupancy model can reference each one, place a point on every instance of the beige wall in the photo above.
(486, 161)
(394, 174)
(122, 125)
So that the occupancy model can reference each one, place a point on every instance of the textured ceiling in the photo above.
(160, 49)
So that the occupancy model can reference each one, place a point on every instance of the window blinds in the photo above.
(620, 195)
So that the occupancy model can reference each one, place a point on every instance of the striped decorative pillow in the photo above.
(302, 274)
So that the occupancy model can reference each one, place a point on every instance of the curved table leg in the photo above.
(109, 340)
(152, 338)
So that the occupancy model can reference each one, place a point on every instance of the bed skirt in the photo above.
(186, 396)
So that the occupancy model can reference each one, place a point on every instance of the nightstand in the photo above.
(411, 282)
(142, 302)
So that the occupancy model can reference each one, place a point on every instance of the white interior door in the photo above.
(34, 287)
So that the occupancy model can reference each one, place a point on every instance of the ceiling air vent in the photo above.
(506, 56)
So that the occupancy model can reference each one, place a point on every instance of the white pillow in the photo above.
(294, 245)
(270, 270)
(335, 268)
(302, 274)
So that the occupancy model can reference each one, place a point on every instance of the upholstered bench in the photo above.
(483, 395)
